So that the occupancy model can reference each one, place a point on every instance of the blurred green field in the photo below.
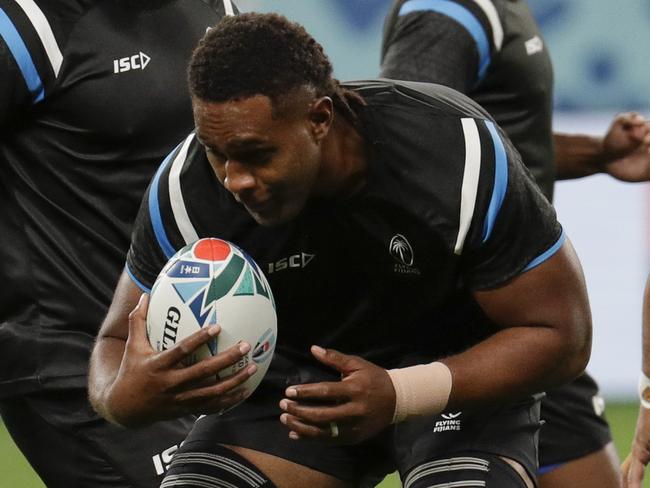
(16, 473)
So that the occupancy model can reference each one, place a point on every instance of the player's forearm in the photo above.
(104, 367)
(578, 155)
(514, 363)
(646, 329)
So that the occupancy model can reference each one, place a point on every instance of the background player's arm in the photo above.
(634, 465)
(131, 384)
(624, 151)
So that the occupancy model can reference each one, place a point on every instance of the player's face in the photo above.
(270, 165)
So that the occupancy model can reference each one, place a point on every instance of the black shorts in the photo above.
(69, 445)
(509, 432)
(574, 424)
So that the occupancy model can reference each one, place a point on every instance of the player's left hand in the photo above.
(633, 467)
(348, 411)
(626, 148)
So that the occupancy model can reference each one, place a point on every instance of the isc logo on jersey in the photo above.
(137, 61)
(212, 282)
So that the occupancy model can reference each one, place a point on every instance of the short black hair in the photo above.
(258, 54)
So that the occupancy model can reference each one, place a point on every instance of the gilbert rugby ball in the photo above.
(212, 281)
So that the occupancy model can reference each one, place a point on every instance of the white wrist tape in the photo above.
(644, 388)
(420, 390)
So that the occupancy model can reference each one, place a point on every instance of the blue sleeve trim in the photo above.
(154, 210)
(500, 180)
(547, 254)
(547, 469)
(24, 60)
(135, 280)
(461, 15)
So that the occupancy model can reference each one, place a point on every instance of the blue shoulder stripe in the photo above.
(546, 254)
(461, 15)
(500, 180)
(135, 280)
(24, 60)
(154, 209)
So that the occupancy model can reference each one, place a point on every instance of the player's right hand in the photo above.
(153, 386)
(633, 468)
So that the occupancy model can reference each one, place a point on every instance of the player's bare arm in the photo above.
(623, 152)
(633, 468)
(135, 385)
(545, 341)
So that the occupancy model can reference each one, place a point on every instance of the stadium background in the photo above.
(599, 51)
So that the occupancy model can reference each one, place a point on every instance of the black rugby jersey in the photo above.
(92, 96)
(491, 50)
(447, 207)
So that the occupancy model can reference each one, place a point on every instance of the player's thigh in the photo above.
(599, 469)
(68, 444)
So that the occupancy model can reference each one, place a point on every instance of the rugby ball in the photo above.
(212, 281)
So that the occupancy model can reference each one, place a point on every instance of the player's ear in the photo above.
(321, 115)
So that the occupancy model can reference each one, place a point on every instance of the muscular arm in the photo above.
(131, 384)
(545, 338)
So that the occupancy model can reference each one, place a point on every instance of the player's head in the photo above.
(262, 92)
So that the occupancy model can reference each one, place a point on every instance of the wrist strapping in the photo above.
(644, 388)
(420, 390)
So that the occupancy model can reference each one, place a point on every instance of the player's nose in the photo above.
(238, 179)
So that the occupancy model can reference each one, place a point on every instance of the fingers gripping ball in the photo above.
(211, 282)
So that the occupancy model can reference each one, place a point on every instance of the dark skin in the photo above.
(272, 163)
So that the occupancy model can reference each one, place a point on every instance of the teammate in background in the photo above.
(493, 51)
(417, 210)
(635, 464)
(83, 129)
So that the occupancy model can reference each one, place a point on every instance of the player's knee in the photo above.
(471, 470)
(213, 465)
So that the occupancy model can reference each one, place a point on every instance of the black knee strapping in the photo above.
(464, 471)
(213, 467)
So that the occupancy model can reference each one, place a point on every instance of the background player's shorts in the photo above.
(69, 445)
(255, 424)
(574, 424)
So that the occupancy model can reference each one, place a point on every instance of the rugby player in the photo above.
(418, 214)
(493, 51)
(83, 129)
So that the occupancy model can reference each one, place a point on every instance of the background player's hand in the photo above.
(626, 148)
(348, 411)
(154, 385)
(633, 467)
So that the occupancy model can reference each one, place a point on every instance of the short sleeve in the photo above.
(155, 237)
(30, 56)
(513, 227)
(449, 42)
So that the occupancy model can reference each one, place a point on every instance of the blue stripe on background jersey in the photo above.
(135, 280)
(546, 254)
(154, 209)
(500, 180)
(23, 59)
(461, 15)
